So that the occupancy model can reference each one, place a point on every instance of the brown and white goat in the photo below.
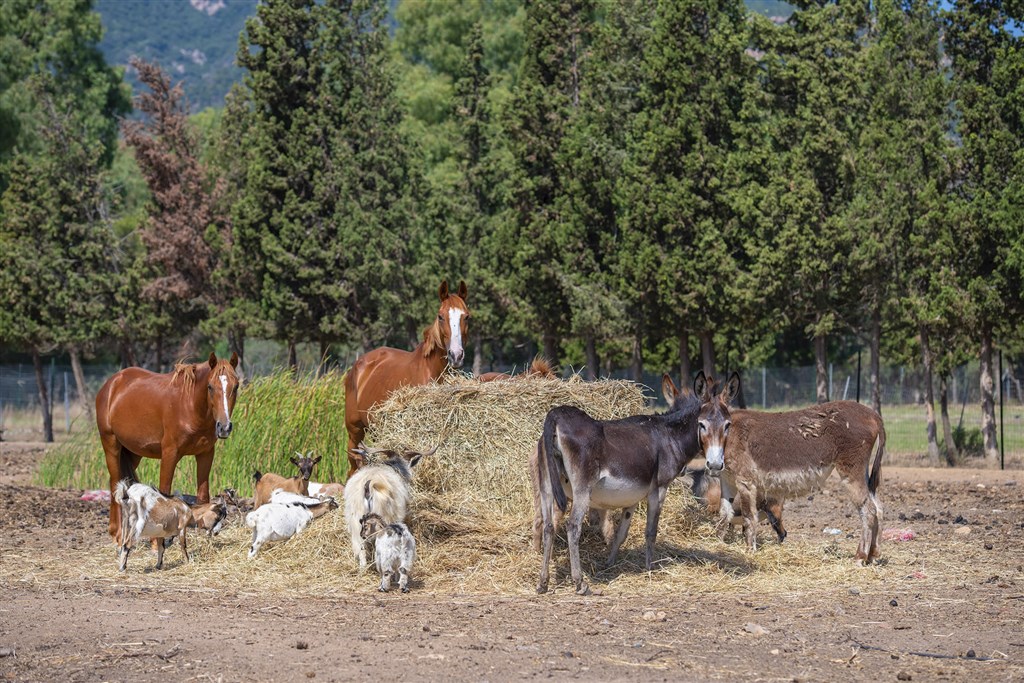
(708, 490)
(146, 513)
(269, 482)
(383, 488)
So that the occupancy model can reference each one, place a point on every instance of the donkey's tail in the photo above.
(876, 468)
(551, 452)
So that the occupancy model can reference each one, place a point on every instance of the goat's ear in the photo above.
(732, 388)
(316, 459)
(293, 461)
(213, 360)
(668, 388)
(415, 459)
(256, 476)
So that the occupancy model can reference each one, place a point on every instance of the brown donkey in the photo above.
(788, 454)
(609, 464)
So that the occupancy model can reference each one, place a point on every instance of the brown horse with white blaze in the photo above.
(608, 464)
(143, 414)
(783, 455)
(376, 374)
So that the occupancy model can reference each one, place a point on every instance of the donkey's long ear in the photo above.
(732, 389)
(700, 386)
(462, 292)
(442, 291)
(213, 360)
(668, 388)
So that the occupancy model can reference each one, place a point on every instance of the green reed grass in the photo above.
(275, 417)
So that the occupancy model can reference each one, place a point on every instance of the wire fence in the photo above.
(901, 388)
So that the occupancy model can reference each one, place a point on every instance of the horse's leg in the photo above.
(112, 452)
(356, 433)
(168, 461)
(580, 505)
(655, 499)
(204, 462)
(620, 534)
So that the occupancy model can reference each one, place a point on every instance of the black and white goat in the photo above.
(284, 516)
(146, 513)
(394, 549)
(383, 488)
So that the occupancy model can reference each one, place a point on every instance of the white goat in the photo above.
(394, 549)
(383, 488)
(284, 516)
(146, 513)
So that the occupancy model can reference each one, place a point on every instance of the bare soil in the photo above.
(951, 629)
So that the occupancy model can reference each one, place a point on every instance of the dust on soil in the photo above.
(950, 629)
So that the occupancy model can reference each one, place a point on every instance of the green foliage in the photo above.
(275, 417)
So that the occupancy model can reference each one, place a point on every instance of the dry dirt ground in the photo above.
(958, 628)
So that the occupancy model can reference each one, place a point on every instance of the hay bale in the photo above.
(486, 430)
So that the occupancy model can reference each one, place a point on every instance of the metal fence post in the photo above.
(1002, 442)
(67, 405)
(764, 388)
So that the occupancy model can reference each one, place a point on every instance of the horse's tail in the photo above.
(550, 446)
(127, 467)
(876, 468)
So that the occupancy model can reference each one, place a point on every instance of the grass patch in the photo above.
(275, 416)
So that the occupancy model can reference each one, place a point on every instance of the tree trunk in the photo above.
(551, 348)
(236, 344)
(988, 409)
(128, 359)
(947, 428)
(44, 397)
(478, 354)
(293, 360)
(83, 391)
(637, 364)
(593, 362)
(684, 359)
(158, 365)
(820, 371)
(929, 399)
(707, 352)
(876, 362)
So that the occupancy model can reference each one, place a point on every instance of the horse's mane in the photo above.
(186, 372)
(432, 339)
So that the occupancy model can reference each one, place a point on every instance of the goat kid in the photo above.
(267, 483)
(146, 513)
(285, 515)
(708, 490)
(394, 549)
(384, 488)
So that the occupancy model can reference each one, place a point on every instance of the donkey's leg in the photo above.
(547, 536)
(580, 505)
(876, 524)
(857, 489)
(655, 499)
(620, 534)
(773, 511)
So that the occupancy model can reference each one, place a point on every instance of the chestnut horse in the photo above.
(376, 374)
(539, 368)
(143, 414)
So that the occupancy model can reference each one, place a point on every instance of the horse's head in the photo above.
(451, 321)
(305, 464)
(221, 392)
(713, 422)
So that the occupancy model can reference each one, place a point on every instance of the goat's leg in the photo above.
(385, 580)
(620, 534)
(254, 547)
(403, 578)
(726, 512)
(655, 500)
(184, 544)
(125, 549)
(160, 556)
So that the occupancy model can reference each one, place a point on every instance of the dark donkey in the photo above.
(609, 464)
(782, 455)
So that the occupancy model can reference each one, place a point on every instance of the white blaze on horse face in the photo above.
(224, 394)
(455, 343)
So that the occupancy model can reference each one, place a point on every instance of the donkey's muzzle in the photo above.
(222, 430)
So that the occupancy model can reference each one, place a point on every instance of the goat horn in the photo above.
(431, 451)
(368, 451)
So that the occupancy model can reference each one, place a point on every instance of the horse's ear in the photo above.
(462, 290)
(442, 292)
(732, 389)
(213, 360)
(700, 385)
(668, 388)
(234, 359)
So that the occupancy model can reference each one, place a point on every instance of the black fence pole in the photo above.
(1002, 442)
(858, 375)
